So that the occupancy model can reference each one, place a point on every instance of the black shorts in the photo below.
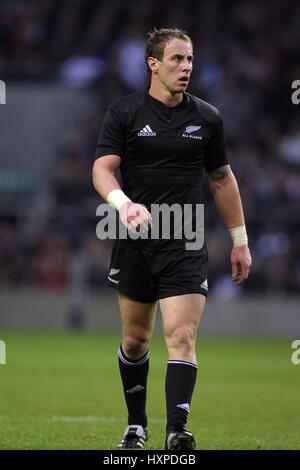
(148, 275)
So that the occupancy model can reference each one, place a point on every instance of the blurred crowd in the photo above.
(246, 58)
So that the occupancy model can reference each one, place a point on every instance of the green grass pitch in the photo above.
(62, 391)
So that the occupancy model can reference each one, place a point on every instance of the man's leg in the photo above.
(137, 326)
(181, 317)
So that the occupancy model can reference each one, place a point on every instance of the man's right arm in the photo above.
(104, 174)
(133, 216)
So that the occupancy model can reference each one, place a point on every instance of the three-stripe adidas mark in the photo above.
(146, 132)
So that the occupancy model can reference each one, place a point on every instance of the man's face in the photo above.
(175, 68)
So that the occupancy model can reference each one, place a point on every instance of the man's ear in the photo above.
(153, 64)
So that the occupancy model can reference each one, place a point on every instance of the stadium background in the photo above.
(63, 62)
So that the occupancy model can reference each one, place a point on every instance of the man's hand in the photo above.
(135, 217)
(241, 263)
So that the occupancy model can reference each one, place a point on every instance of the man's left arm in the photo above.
(226, 194)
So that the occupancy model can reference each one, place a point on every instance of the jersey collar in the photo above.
(162, 107)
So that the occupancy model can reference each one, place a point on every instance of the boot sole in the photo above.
(182, 442)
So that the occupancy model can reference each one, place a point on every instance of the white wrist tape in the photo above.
(116, 198)
(239, 236)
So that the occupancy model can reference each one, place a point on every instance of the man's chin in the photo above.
(183, 86)
(180, 88)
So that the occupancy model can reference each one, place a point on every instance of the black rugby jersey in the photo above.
(163, 149)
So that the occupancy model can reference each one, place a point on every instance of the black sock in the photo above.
(180, 383)
(134, 375)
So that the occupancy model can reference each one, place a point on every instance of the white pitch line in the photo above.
(104, 419)
(76, 419)
(83, 418)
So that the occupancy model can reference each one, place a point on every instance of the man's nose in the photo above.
(187, 66)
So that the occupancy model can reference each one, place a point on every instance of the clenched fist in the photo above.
(135, 217)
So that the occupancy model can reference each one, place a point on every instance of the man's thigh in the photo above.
(137, 317)
(182, 310)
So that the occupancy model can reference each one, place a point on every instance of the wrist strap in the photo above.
(239, 236)
(116, 198)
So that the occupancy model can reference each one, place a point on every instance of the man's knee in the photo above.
(181, 337)
(135, 345)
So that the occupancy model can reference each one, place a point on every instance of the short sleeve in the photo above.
(215, 151)
(112, 135)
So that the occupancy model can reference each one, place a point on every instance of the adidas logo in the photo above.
(204, 285)
(146, 132)
(184, 406)
(137, 388)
